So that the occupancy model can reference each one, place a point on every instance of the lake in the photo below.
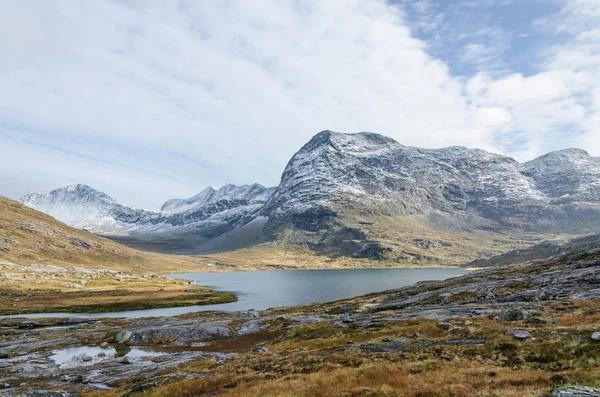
(263, 290)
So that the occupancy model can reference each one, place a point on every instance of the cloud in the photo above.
(558, 105)
(153, 100)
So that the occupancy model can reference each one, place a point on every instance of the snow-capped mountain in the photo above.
(251, 194)
(82, 207)
(338, 189)
(375, 174)
(205, 216)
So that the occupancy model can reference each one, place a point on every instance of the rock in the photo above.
(575, 391)
(198, 344)
(123, 336)
(417, 334)
(485, 295)
(518, 334)
(512, 314)
(262, 349)
(596, 336)
(104, 345)
(250, 313)
(86, 358)
(3, 355)
(386, 340)
(126, 360)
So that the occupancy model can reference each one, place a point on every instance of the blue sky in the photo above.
(154, 100)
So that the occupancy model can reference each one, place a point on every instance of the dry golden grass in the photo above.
(317, 360)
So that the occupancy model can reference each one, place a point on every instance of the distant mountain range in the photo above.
(361, 195)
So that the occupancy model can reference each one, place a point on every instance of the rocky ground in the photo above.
(521, 330)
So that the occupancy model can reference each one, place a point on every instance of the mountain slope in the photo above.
(544, 250)
(28, 236)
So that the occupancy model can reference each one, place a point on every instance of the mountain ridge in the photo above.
(342, 190)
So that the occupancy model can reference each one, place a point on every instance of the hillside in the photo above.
(544, 250)
(28, 236)
(47, 266)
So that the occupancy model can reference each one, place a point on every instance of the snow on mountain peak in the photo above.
(210, 195)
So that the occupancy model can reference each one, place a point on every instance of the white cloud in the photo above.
(152, 100)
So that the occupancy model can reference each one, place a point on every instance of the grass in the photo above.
(109, 301)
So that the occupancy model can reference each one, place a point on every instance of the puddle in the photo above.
(83, 356)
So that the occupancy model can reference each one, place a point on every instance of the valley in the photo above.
(417, 272)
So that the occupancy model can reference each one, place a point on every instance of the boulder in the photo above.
(596, 336)
(262, 349)
(518, 334)
(123, 336)
(512, 314)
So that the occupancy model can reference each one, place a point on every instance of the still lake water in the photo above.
(263, 290)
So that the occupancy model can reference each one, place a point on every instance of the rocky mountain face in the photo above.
(354, 192)
(378, 175)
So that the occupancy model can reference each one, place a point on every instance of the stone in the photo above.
(251, 313)
(386, 340)
(518, 334)
(126, 360)
(123, 336)
(512, 314)
(575, 391)
(596, 336)
(104, 345)
(262, 349)
(417, 334)
(3, 355)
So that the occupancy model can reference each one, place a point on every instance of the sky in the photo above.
(152, 100)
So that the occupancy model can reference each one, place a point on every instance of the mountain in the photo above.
(453, 183)
(248, 194)
(82, 207)
(366, 195)
(200, 218)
